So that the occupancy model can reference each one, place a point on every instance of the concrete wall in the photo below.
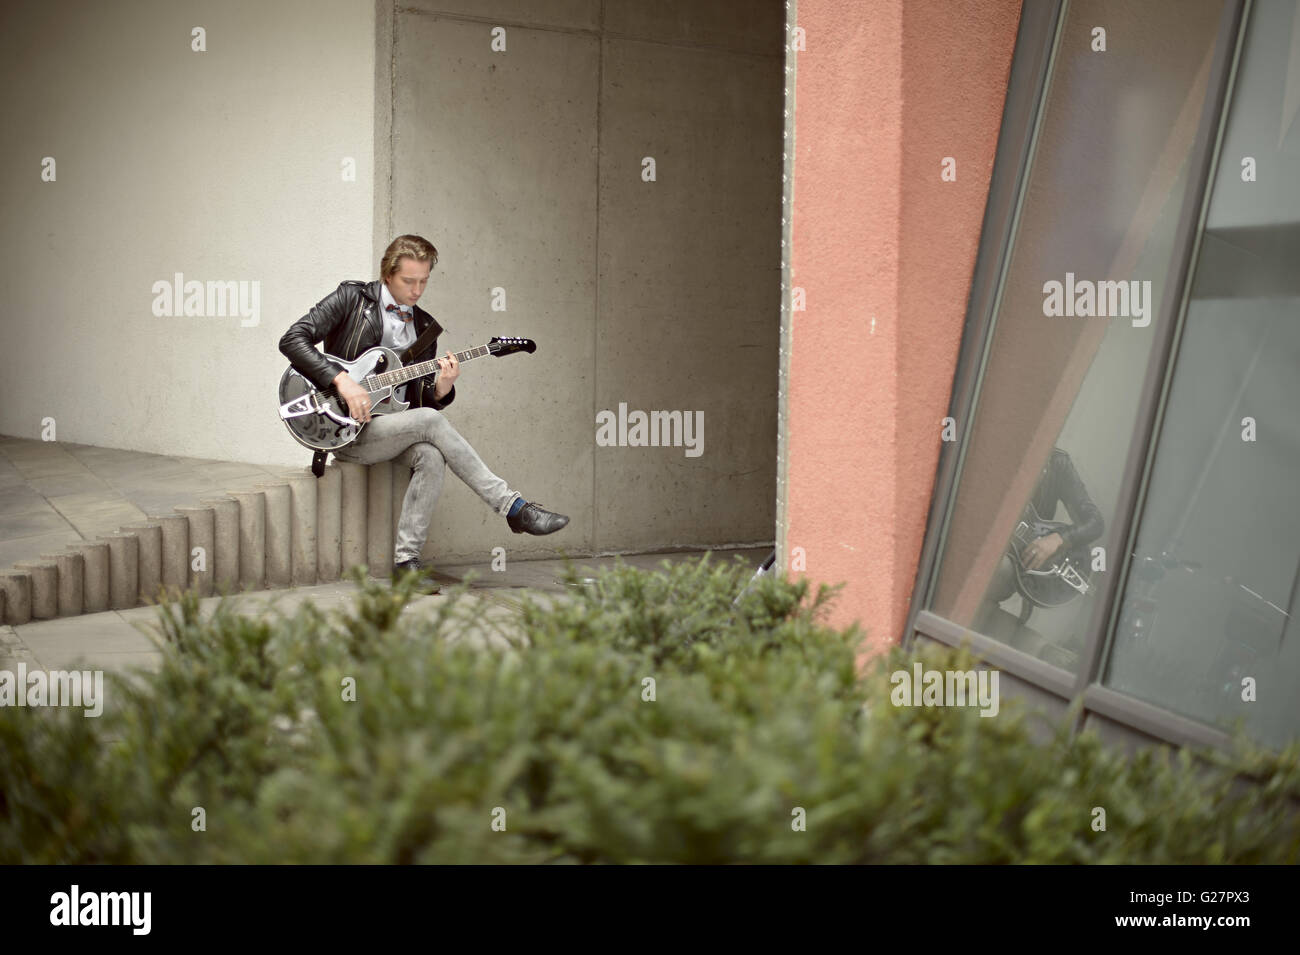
(524, 168)
(885, 90)
(224, 165)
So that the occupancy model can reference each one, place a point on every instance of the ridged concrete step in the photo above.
(298, 531)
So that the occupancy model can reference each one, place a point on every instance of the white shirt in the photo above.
(397, 333)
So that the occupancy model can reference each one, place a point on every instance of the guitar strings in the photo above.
(467, 355)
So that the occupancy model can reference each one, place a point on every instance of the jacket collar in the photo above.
(422, 318)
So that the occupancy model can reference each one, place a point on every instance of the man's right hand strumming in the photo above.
(354, 396)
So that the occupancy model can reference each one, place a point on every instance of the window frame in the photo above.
(1033, 60)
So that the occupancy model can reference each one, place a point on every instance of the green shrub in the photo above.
(758, 712)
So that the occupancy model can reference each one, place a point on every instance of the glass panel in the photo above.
(1211, 600)
(1031, 525)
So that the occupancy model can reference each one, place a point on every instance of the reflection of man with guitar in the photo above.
(1047, 561)
(353, 400)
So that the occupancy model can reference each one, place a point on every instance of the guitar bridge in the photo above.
(311, 404)
(300, 406)
(1074, 578)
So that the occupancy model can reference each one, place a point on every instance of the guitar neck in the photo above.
(421, 369)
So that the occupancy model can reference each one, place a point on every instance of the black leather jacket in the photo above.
(349, 321)
(1059, 481)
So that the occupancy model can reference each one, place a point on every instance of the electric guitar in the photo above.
(1062, 577)
(319, 419)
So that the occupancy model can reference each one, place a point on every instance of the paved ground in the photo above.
(55, 493)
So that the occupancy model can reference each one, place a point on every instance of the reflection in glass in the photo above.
(1058, 398)
(1207, 623)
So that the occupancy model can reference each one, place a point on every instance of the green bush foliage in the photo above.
(759, 711)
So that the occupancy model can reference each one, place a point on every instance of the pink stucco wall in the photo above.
(885, 90)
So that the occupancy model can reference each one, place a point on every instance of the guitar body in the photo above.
(328, 426)
(1063, 577)
(319, 419)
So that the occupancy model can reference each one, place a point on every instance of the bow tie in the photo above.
(400, 310)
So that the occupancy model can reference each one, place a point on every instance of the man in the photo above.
(358, 316)
(1058, 482)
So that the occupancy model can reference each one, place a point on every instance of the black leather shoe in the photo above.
(533, 519)
(414, 565)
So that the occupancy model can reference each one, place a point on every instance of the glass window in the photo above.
(1030, 527)
(1210, 603)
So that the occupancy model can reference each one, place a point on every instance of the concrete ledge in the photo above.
(352, 514)
(291, 532)
(45, 587)
(175, 549)
(16, 585)
(72, 578)
(123, 570)
(252, 538)
(225, 566)
(202, 542)
(379, 525)
(279, 534)
(329, 524)
(401, 481)
(302, 520)
(150, 567)
(95, 575)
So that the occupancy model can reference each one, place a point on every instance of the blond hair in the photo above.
(413, 246)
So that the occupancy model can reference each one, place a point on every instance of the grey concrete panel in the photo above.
(745, 25)
(570, 14)
(690, 292)
(495, 163)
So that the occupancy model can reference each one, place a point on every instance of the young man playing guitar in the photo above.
(1058, 482)
(358, 316)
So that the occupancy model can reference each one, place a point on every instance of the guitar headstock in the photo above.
(499, 347)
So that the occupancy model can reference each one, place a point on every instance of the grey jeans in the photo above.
(425, 441)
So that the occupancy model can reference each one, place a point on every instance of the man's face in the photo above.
(406, 285)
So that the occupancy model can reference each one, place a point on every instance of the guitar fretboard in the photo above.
(409, 372)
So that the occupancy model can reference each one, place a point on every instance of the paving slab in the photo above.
(21, 498)
(93, 521)
(15, 549)
(90, 634)
(37, 522)
(81, 481)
